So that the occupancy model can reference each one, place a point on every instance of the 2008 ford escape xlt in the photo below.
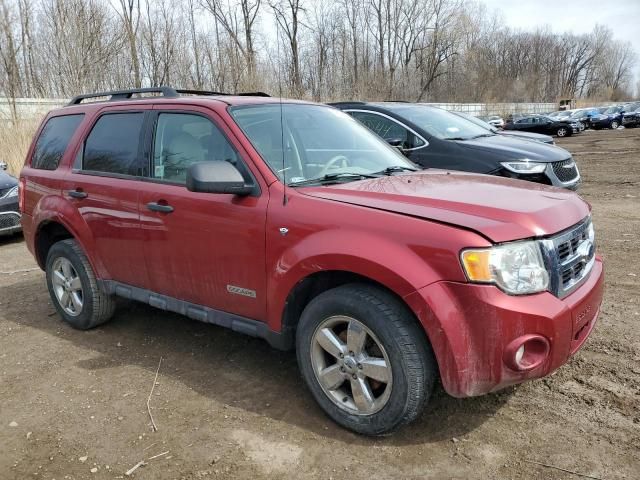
(290, 221)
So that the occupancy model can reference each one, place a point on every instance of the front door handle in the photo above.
(158, 207)
(77, 194)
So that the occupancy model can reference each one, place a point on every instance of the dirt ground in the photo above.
(73, 404)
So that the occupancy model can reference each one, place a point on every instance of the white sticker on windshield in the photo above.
(453, 129)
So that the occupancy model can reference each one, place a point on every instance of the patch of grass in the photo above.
(15, 139)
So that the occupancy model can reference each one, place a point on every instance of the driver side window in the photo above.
(387, 129)
(182, 139)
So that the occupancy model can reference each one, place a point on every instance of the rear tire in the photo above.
(74, 289)
(366, 400)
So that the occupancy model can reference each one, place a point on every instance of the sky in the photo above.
(621, 16)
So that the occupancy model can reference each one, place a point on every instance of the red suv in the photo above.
(290, 221)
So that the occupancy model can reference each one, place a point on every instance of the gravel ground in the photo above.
(73, 404)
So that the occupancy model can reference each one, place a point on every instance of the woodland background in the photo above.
(417, 50)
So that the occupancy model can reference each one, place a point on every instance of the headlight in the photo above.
(524, 166)
(13, 192)
(517, 268)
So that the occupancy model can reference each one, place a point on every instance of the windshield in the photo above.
(613, 110)
(439, 123)
(316, 141)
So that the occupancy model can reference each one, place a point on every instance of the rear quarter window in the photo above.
(54, 140)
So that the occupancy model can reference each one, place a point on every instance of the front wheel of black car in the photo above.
(73, 287)
(562, 132)
(614, 125)
(365, 359)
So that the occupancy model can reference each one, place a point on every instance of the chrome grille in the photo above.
(570, 256)
(9, 220)
(566, 170)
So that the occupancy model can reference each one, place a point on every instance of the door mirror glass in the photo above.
(399, 143)
(216, 177)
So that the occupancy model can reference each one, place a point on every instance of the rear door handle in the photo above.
(158, 207)
(77, 194)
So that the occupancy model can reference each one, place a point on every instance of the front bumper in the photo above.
(473, 327)
(9, 216)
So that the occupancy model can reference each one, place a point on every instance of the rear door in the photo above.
(104, 185)
(203, 248)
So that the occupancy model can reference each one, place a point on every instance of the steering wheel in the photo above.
(333, 164)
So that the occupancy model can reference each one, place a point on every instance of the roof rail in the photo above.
(115, 95)
(168, 92)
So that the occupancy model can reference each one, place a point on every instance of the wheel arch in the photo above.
(54, 220)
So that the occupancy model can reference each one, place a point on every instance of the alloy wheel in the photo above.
(562, 132)
(351, 365)
(67, 286)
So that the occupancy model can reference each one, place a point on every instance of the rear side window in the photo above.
(53, 141)
(113, 146)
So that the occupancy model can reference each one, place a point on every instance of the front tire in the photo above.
(74, 289)
(365, 359)
(614, 125)
(562, 132)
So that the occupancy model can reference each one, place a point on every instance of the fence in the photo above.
(503, 109)
(29, 109)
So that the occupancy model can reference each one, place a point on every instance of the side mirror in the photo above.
(216, 177)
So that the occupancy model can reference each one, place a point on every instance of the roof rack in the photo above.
(168, 92)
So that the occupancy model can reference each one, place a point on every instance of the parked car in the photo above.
(290, 221)
(584, 116)
(631, 118)
(512, 133)
(542, 124)
(612, 118)
(495, 120)
(9, 211)
(434, 138)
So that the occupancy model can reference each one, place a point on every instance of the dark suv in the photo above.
(9, 212)
(292, 222)
(434, 138)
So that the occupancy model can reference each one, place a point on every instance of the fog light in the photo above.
(526, 352)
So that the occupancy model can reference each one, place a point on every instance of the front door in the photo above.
(203, 248)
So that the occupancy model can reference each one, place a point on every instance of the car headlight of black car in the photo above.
(524, 166)
(12, 193)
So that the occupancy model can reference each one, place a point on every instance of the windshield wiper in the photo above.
(483, 135)
(332, 177)
(394, 169)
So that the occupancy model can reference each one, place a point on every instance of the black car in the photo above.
(434, 138)
(512, 133)
(631, 118)
(562, 127)
(611, 117)
(9, 210)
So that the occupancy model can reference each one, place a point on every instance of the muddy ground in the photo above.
(73, 404)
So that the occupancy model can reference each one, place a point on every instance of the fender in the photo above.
(389, 263)
(55, 208)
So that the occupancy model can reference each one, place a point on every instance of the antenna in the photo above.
(284, 167)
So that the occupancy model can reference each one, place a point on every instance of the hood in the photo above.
(7, 181)
(511, 148)
(500, 209)
(528, 136)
